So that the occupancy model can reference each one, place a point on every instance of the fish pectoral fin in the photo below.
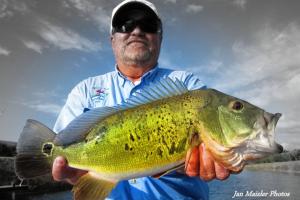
(92, 188)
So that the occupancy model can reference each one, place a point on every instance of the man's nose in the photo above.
(137, 31)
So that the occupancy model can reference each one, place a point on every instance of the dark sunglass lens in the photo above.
(146, 25)
(125, 27)
(149, 26)
(128, 26)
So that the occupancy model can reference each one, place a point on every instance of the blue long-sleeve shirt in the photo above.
(114, 88)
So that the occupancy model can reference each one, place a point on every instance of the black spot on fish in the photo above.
(131, 149)
(138, 137)
(47, 148)
(131, 137)
(159, 151)
(172, 149)
(163, 140)
(126, 147)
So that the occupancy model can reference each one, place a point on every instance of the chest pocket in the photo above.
(99, 97)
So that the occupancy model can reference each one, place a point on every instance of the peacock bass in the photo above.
(149, 134)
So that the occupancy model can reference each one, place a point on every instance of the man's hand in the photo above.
(199, 162)
(62, 172)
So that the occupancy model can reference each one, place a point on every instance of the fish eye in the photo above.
(47, 148)
(236, 105)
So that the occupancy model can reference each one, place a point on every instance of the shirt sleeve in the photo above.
(75, 105)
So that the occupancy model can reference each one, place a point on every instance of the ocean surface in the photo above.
(252, 185)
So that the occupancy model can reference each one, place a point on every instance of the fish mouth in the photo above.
(262, 143)
(258, 145)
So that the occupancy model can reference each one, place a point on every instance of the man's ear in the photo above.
(112, 41)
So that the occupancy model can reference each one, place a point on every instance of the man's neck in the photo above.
(134, 73)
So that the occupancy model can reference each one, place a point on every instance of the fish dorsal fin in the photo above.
(78, 129)
(157, 90)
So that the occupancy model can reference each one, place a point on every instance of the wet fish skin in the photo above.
(143, 139)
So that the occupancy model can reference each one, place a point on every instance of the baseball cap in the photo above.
(132, 4)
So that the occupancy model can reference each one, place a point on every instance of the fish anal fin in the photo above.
(92, 188)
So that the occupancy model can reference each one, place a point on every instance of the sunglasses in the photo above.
(146, 25)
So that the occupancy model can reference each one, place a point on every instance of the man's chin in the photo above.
(138, 58)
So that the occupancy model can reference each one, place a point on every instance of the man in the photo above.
(136, 36)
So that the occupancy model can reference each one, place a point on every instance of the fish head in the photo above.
(261, 142)
(246, 132)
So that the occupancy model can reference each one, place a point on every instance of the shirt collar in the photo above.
(148, 74)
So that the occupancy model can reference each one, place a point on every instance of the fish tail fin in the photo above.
(91, 187)
(34, 150)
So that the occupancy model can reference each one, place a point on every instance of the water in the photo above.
(268, 185)
(257, 182)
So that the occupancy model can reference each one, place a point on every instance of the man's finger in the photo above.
(59, 168)
(207, 166)
(221, 172)
(62, 172)
(192, 162)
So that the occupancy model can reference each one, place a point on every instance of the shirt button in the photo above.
(132, 181)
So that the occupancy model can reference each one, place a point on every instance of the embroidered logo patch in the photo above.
(99, 93)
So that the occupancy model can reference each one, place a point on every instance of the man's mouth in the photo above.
(137, 41)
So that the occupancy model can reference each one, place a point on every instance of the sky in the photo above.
(246, 48)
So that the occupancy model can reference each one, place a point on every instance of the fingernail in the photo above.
(202, 146)
(59, 161)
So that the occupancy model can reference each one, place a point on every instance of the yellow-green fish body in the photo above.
(139, 141)
(150, 134)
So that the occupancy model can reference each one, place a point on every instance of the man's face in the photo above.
(137, 47)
